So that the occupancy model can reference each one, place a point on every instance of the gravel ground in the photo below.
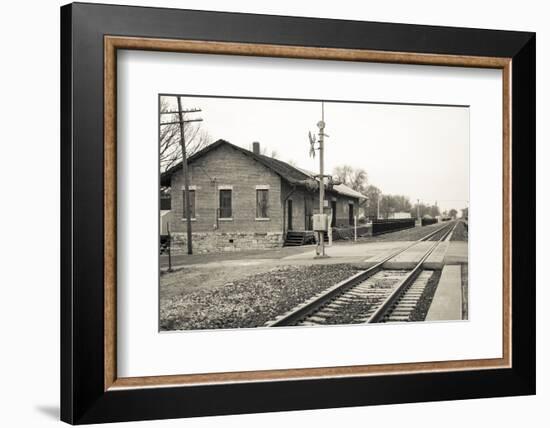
(250, 301)
(273, 253)
(460, 233)
(193, 278)
(423, 305)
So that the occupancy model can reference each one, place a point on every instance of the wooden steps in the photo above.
(295, 238)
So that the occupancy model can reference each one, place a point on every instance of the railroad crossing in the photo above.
(389, 289)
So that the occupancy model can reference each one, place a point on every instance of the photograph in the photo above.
(267, 212)
(299, 212)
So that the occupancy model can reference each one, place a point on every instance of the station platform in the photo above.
(436, 260)
(410, 257)
(447, 302)
(351, 252)
(446, 253)
(457, 253)
(380, 253)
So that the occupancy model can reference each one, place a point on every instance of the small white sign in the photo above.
(319, 222)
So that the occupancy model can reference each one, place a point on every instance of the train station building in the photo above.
(243, 200)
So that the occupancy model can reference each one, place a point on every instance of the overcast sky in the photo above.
(418, 151)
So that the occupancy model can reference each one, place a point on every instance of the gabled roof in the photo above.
(348, 191)
(286, 171)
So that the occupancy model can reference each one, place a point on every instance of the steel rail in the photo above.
(385, 307)
(314, 304)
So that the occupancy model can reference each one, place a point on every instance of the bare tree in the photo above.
(196, 138)
(372, 193)
(343, 174)
(356, 178)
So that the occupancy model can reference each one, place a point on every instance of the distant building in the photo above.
(241, 199)
(401, 214)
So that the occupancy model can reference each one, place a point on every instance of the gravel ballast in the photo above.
(250, 301)
(421, 310)
(355, 310)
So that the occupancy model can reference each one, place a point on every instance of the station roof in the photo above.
(338, 188)
(289, 173)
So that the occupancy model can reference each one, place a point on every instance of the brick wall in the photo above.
(225, 168)
(216, 242)
(342, 209)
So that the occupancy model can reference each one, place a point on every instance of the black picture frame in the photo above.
(83, 398)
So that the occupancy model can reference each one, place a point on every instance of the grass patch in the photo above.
(464, 278)
(460, 233)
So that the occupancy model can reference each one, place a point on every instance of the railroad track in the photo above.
(370, 296)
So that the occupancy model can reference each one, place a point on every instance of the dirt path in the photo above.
(192, 278)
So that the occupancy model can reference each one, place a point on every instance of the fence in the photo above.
(428, 221)
(166, 246)
(347, 233)
(391, 225)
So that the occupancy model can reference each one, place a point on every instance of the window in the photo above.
(225, 203)
(191, 203)
(262, 200)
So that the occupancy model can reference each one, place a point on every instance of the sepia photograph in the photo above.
(268, 213)
(309, 213)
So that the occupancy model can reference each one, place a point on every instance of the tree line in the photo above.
(382, 204)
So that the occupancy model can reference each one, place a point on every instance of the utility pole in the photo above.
(418, 209)
(377, 205)
(320, 224)
(169, 247)
(181, 121)
(321, 125)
